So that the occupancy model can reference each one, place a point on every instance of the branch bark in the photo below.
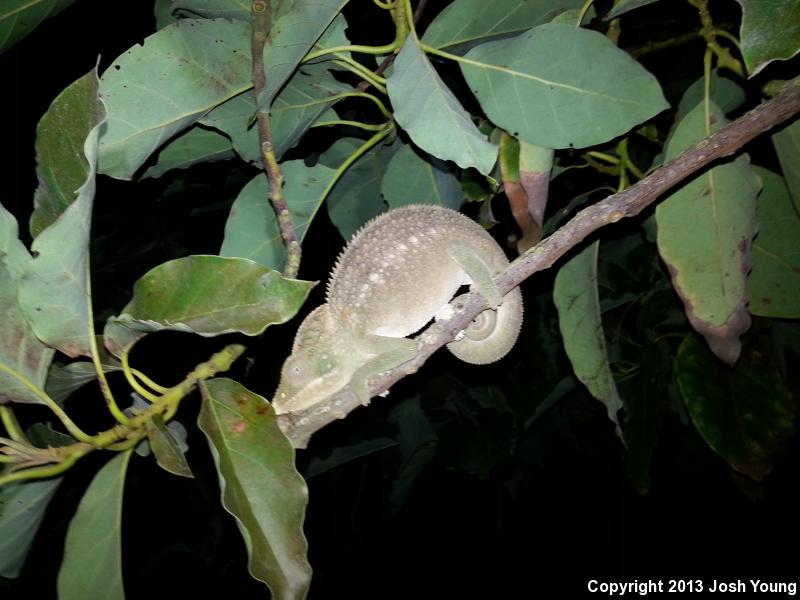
(300, 426)
(261, 19)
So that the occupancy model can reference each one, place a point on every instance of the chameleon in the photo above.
(399, 271)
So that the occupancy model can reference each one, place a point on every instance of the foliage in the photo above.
(686, 312)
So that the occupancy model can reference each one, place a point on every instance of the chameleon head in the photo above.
(309, 371)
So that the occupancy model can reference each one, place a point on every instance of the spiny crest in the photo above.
(354, 241)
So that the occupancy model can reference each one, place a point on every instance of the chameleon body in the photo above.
(396, 274)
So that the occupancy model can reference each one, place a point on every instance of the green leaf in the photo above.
(413, 179)
(745, 415)
(725, 93)
(640, 427)
(356, 196)
(295, 28)
(208, 295)
(770, 31)
(431, 114)
(158, 89)
(465, 23)
(54, 291)
(334, 35)
(252, 228)
(309, 93)
(418, 446)
(259, 483)
(235, 118)
(196, 145)
(22, 506)
(13, 253)
(63, 380)
(576, 299)
(774, 283)
(170, 11)
(166, 448)
(162, 10)
(559, 86)
(24, 359)
(19, 17)
(787, 146)
(624, 6)
(92, 565)
(704, 235)
(60, 136)
(341, 455)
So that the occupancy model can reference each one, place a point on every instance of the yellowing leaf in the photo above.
(705, 229)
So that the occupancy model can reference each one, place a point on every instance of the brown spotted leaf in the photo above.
(259, 483)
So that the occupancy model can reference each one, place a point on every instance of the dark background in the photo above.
(481, 518)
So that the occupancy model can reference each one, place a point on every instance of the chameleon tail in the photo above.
(492, 333)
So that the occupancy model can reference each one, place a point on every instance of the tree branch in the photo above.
(261, 18)
(300, 426)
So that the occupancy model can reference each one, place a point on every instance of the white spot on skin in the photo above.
(402, 247)
(374, 277)
(414, 239)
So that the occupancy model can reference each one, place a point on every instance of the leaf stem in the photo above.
(378, 82)
(386, 130)
(45, 471)
(73, 429)
(11, 424)
(359, 124)
(709, 33)
(381, 106)
(584, 9)
(385, 49)
(21, 447)
(149, 382)
(122, 437)
(730, 37)
(609, 158)
(111, 403)
(622, 149)
(126, 370)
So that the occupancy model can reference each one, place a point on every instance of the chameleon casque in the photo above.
(396, 274)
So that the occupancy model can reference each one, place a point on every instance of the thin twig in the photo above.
(261, 17)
